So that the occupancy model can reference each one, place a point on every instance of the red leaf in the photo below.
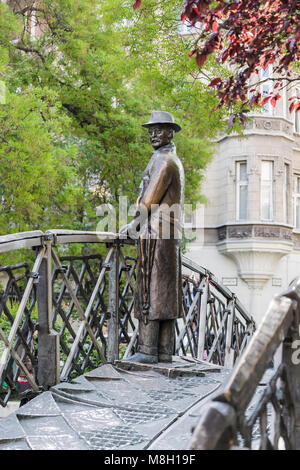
(265, 100)
(215, 26)
(274, 100)
(137, 4)
(224, 55)
(295, 106)
(183, 18)
(233, 7)
(200, 59)
(215, 81)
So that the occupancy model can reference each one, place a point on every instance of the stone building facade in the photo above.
(248, 233)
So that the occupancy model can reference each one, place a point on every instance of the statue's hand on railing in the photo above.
(124, 231)
(129, 231)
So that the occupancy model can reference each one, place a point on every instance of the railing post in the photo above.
(113, 306)
(291, 359)
(48, 340)
(229, 352)
(202, 320)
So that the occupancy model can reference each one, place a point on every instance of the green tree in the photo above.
(35, 175)
(77, 93)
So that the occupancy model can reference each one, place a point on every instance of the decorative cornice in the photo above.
(256, 259)
(255, 231)
(265, 125)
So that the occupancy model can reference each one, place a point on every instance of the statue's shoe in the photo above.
(143, 358)
(165, 358)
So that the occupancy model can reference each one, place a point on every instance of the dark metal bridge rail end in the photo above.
(258, 408)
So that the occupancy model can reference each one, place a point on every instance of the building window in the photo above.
(32, 24)
(286, 192)
(241, 191)
(297, 115)
(266, 88)
(267, 195)
(297, 203)
(31, 21)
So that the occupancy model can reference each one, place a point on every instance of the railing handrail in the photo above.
(64, 236)
(17, 241)
(36, 238)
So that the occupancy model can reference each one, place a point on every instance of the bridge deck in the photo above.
(113, 408)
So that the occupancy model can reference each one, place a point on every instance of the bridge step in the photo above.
(178, 368)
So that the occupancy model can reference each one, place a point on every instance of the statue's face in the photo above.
(160, 135)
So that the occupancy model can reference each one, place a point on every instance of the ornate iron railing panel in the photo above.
(83, 310)
(18, 300)
(127, 325)
(272, 418)
(82, 272)
(259, 406)
(216, 327)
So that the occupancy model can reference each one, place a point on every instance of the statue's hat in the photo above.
(162, 117)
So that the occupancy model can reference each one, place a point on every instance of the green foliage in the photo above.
(5, 324)
(70, 134)
(35, 175)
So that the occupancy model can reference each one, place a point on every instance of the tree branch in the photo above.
(31, 50)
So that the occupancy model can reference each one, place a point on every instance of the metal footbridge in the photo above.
(67, 329)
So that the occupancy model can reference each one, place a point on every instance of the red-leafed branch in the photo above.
(250, 35)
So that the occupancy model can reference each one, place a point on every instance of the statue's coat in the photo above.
(159, 271)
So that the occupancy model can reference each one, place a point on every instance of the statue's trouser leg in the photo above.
(166, 340)
(148, 337)
(157, 338)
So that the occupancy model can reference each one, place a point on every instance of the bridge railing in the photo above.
(259, 407)
(62, 315)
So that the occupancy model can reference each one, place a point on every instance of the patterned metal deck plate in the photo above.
(143, 413)
(169, 394)
(113, 438)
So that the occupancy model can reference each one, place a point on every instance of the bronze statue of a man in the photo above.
(158, 301)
